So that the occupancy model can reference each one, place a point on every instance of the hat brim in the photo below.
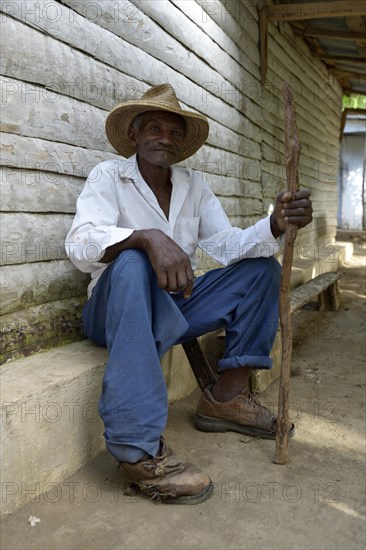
(120, 118)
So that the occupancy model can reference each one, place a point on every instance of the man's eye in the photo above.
(178, 133)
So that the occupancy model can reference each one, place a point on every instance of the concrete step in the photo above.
(346, 250)
(49, 414)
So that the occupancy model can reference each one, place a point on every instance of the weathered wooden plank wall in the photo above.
(65, 64)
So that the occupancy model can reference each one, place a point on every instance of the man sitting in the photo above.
(136, 229)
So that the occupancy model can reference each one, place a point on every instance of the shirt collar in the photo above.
(180, 178)
(129, 169)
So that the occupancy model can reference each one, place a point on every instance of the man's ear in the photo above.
(132, 134)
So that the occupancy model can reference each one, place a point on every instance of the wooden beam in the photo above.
(358, 111)
(346, 86)
(263, 44)
(357, 24)
(341, 35)
(316, 10)
(343, 59)
(343, 123)
(348, 74)
(41, 327)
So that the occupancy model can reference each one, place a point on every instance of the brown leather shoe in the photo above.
(166, 479)
(243, 414)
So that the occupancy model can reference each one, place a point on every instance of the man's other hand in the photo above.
(292, 208)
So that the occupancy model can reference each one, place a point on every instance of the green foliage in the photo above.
(354, 102)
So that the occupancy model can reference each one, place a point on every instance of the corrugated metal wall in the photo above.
(351, 201)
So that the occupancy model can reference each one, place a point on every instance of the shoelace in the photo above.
(252, 400)
(151, 490)
(161, 464)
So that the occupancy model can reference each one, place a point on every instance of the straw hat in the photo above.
(157, 98)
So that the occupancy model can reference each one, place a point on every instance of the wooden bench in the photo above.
(324, 286)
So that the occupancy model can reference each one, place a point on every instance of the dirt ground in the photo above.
(314, 502)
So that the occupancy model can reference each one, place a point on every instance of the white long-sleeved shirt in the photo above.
(116, 201)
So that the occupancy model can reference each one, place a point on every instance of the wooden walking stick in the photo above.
(292, 156)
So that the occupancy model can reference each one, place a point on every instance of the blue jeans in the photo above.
(138, 322)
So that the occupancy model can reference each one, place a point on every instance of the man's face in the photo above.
(159, 138)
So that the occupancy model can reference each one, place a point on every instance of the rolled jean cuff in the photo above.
(255, 361)
(130, 453)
